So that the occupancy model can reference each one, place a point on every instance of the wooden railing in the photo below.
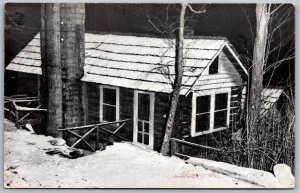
(174, 147)
(19, 108)
(95, 128)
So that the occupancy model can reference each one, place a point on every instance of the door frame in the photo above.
(151, 118)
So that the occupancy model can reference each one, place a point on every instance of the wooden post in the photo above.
(97, 139)
(11, 111)
(17, 118)
(173, 147)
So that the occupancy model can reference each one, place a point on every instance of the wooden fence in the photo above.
(175, 150)
(21, 110)
(95, 128)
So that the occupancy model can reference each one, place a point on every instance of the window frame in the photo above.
(212, 94)
(117, 89)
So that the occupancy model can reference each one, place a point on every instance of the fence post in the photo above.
(97, 139)
(173, 147)
(17, 118)
(11, 111)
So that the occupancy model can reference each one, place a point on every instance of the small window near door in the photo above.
(214, 67)
(109, 106)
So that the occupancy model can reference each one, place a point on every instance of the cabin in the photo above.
(130, 77)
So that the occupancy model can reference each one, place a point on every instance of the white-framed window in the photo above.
(109, 103)
(210, 111)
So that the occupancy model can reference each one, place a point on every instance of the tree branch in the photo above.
(275, 9)
(195, 11)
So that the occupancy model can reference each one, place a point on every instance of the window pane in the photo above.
(220, 119)
(213, 68)
(221, 101)
(109, 96)
(146, 139)
(146, 127)
(143, 106)
(140, 126)
(140, 138)
(109, 113)
(202, 122)
(203, 104)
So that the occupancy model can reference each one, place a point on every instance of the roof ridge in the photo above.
(156, 36)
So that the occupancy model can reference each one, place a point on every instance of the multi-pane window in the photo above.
(109, 104)
(221, 108)
(210, 112)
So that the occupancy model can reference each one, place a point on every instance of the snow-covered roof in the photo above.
(144, 63)
(269, 97)
(29, 59)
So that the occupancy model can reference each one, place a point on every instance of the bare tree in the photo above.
(273, 43)
(51, 67)
(165, 149)
(262, 19)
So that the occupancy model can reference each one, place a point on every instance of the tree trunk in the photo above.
(51, 67)
(165, 149)
(72, 18)
(262, 17)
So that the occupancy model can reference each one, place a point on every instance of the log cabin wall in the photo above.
(126, 108)
(236, 108)
(182, 124)
(28, 84)
(126, 112)
(93, 103)
(182, 121)
(160, 118)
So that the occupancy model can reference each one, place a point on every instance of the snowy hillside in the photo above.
(121, 165)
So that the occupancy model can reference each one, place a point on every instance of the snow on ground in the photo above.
(123, 165)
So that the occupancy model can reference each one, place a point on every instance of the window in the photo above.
(220, 114)
(202, 113)
(214, 67)
(109, 103)
(210, 111)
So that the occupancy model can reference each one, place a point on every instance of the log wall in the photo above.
(182, 125)
(28, 84)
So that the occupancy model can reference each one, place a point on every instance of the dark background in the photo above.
(236, 22)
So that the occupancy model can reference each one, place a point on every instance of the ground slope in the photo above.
(122, 165)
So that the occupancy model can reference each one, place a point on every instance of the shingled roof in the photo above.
(144, 63)
(29, 59)
(269, 97)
